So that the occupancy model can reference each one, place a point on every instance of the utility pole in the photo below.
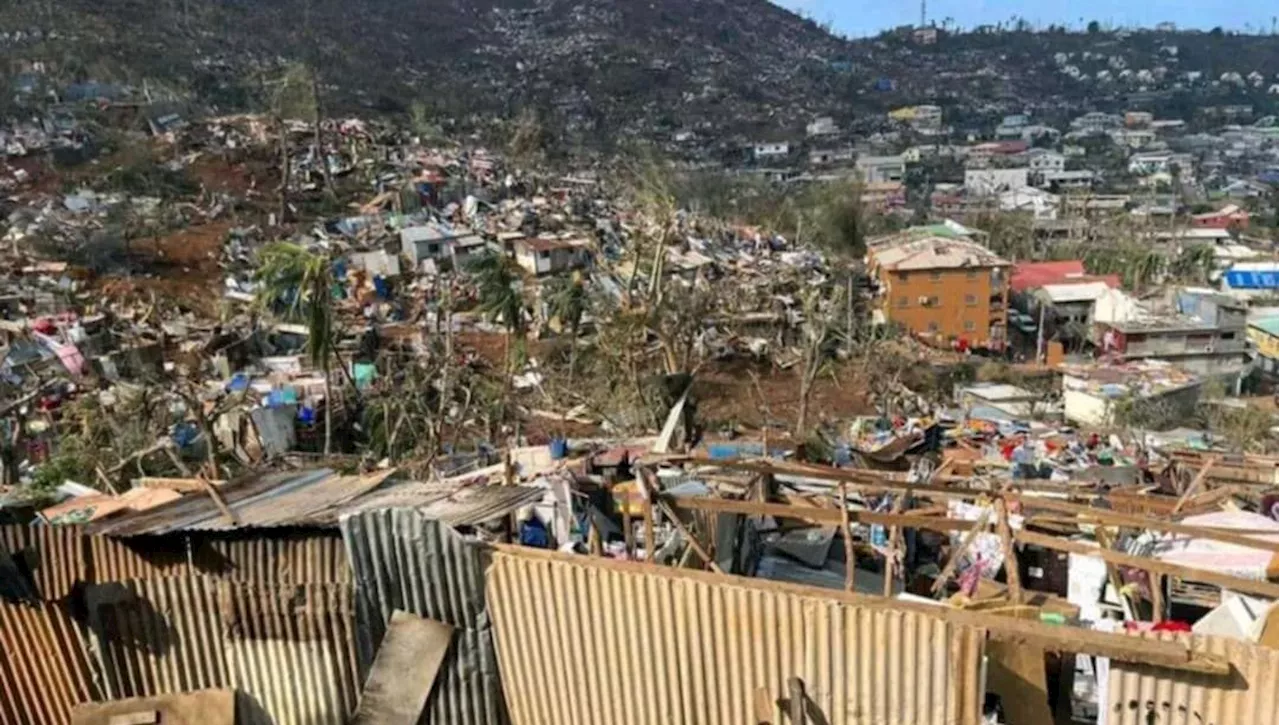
(922, 14)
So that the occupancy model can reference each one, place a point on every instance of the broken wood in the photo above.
(1157, 596)
(1011, 573)
(1196, 483)
(181, 485)
(693, 542)
(795, 695)
(895, 546)
(813, 514)
(1248, 586)
(227, 515)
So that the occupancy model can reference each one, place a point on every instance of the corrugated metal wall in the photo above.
(402, 560)
(289, 559)
(291, 648)
(157, 636)
(54, 554)
(590, 641)
(1144, 695)
(44, 664)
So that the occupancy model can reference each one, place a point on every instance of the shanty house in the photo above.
(437, 242)
(945, 286)
(539, 256)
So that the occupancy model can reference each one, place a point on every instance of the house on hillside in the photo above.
(541, 256)
(990, 182)
(1225, 218)
(946, 287)
(879, 169)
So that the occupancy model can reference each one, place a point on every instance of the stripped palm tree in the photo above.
(500, 288)
(567, 301)
(297, 285)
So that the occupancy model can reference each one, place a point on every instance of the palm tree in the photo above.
(500, 287)
(1194, 264)
(567, 301)
(298, 285)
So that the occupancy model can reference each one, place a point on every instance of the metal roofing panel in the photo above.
(451, 504)
(44, 667)
(193, 509)
(403, 560)
(156, 636)
(291, 649)
(584, 640)
(1139, 694)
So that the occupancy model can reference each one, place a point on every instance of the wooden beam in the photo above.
(813, 514)
(1196, 483)
(1011, 573)
(1226, 536)
(646, 507)
(227, 515)
(895, 547)
(693, 542)
(181, 485)
(1248, 586)
(941, 580)
(850, 557)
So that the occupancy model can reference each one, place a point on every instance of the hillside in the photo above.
(608, 69)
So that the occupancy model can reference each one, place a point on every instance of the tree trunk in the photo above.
(573, 353)
(328, 409)
(319, 133)
(284, 170)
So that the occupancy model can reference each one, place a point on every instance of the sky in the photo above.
(860, 18)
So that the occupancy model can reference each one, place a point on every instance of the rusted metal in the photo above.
(404, 561)
(635, 643)
(1141, 694)
(44, 668)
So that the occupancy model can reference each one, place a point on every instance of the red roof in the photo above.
(1029, 275)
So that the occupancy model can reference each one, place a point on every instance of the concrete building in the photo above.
(879, 169)
(1206, 337)
(1156, 394)
(770, 149)
(1041, 161)
(438, 242)
(1264, 345)
(947, 287)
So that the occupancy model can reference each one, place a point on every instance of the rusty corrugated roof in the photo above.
(44, 665)
(449, 503)
(635, 643)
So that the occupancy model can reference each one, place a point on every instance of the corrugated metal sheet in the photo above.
(44, 667)
(114, 560)
(402, 560)
(292, 650)
(55, 556)
(308, 497)
(287, 559)
(1141, 695)
(590, 641)
(450, 503)
(157, 636)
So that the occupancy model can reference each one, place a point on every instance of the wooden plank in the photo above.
(1226, 536)
(1012, 575)
(795, 695)
(850, 557)
(1016, 673)
(403, 671)
(813, 514)
(895, 546)
(181, 485)
(1248, 586)
(227, 515)
(693, 542)
(941, 580)
(1196, 483)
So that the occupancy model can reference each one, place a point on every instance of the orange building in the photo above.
(950, 288)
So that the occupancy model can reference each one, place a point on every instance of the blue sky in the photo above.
(859, 17)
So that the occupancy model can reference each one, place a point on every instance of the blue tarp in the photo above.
(1252, 279)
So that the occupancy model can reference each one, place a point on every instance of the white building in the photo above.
(988, 182)
(1042, 160)
(822, 126)
(1040, 204)
(770, 150)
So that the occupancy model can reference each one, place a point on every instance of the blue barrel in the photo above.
(559, 448)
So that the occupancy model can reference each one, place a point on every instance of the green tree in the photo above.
(567, 301)
(1094, 27)
(500, 287)
(1193, 264)
(297, 285)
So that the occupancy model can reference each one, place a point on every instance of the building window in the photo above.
(545, 254)
(969, 326)
(971, 274)
(1228, 336)
(903, 301)
(433, 249)
(970, 300)
(935, 276)
(932, 301)
(933, 327)
(902, 276)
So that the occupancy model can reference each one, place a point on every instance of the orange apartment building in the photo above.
(952, 289)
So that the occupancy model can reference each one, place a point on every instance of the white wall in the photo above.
(1084, 408)
(993, 181)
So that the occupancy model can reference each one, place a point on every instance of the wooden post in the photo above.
(850, 556)
(896, 548)
(1199, 480)
(795, 693)
(1012, 576)
(628, 534)
(1157, 596)
(646, 501)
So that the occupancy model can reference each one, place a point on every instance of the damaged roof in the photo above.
(936, 252)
